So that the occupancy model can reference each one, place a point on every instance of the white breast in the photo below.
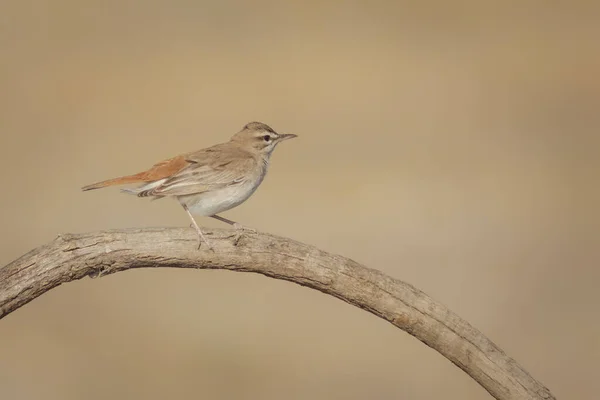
(218, 201)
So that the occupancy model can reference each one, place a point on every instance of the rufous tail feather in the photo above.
(123, 180)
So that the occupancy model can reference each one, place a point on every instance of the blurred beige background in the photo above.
(454, 145)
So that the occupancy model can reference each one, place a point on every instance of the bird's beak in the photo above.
(287, 136)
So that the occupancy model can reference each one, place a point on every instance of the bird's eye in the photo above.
(266, 138)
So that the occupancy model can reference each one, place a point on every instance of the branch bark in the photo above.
(71, 257)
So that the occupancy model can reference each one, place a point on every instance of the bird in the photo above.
(209, 181)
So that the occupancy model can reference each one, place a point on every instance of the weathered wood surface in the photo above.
(72, 257)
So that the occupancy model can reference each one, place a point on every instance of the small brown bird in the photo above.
(212, 180)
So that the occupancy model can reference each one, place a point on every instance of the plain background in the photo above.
(453, 145)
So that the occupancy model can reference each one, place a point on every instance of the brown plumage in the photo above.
(158, 171)
(211, 180)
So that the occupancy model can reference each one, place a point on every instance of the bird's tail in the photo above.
(123, 180)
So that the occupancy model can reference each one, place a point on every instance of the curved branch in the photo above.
(72, 257)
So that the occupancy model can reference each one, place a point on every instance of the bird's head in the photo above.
(260, 137)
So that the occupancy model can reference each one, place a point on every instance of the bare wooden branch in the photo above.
(72, 257)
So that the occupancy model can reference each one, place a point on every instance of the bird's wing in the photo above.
(166, 168)
(208, 169)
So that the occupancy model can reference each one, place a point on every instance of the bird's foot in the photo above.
(240, 230)
(202, 239)
(206, 243)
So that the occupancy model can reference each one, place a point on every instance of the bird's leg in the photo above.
(239, 228)
(197, 228)
(236, 225)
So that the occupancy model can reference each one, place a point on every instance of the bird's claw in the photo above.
(208, 245)
(240, 230)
